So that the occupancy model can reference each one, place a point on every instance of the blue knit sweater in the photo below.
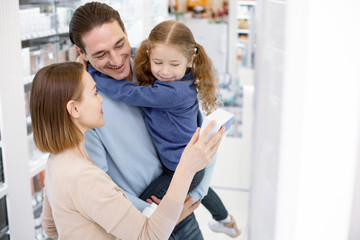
(171, 111)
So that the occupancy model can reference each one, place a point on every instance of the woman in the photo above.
(80, 200)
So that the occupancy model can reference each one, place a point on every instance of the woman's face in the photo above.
(89, 107)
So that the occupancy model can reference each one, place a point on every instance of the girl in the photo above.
(80, 200)
(173, 72)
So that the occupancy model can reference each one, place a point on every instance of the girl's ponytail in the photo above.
(204, 75)
(142, 67)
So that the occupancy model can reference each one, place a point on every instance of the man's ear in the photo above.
(81, 52)
(73, 109)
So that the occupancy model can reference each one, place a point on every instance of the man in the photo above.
(123, 147)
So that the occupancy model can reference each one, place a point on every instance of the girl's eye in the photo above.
(174, 65)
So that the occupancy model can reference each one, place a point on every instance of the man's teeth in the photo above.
(117, 67)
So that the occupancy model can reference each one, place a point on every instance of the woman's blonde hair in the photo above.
(179, 35)
(52, 88)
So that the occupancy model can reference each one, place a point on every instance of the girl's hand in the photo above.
(199, 153)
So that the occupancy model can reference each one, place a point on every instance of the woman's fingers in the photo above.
(216, 139)
(207, 131)
(195, 136)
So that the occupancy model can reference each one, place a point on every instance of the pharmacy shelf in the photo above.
(243, 16)
(243, 31)
(39, 165)
(43, 38)
(240, 45)
(246, 3)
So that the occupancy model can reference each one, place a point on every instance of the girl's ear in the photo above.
(73, 109)
(191, 60)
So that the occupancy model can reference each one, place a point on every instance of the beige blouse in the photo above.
(82, 202)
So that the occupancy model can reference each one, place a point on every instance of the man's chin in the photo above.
(119, 76)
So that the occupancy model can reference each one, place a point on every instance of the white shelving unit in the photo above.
(17, 190)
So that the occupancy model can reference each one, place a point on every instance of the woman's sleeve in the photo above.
(103, 202)
(47, 218)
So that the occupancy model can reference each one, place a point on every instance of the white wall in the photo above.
(307, 117)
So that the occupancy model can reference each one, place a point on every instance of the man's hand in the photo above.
(188, 208)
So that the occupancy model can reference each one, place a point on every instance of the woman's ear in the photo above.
(73, 109)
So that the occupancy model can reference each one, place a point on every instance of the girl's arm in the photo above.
(159, 95)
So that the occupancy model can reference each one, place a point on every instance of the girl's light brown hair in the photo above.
(52, 88)
(178, 35)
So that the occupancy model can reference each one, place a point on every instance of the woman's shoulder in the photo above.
(70, 165)
(71, 171)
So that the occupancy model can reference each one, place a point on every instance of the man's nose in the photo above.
(114, 58)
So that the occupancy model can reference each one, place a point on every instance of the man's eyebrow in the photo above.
(102, 51)
(119, 41)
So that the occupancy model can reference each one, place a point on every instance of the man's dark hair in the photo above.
(88, 17)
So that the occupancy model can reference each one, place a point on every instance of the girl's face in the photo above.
(89, 107)
(167, 63)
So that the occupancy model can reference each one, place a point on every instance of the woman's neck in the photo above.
(80, 150)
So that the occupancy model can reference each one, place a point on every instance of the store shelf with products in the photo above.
(43, 39)
(245, 30)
